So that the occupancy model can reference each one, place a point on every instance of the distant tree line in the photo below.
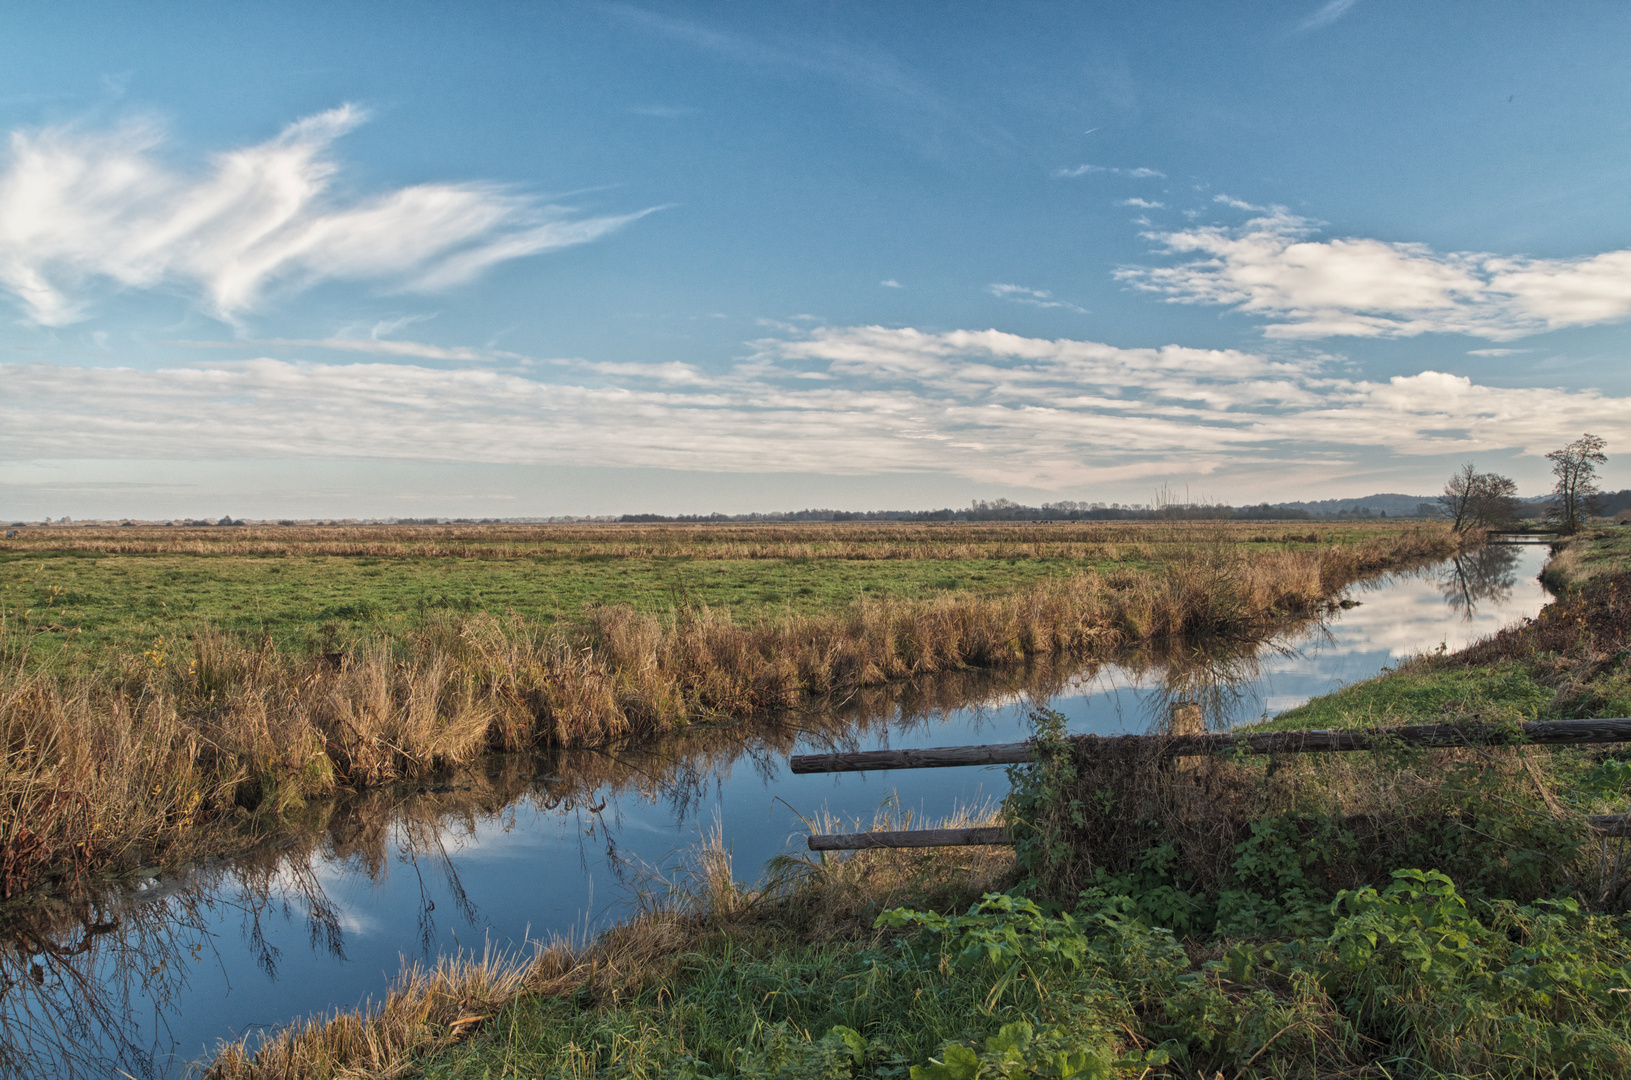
(1007, 510)
(1613, 502)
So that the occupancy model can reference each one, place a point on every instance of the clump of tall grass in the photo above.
(98, 765)
(1217, 839)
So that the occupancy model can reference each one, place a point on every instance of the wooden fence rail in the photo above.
(1538, 732)
(1601, 824)
(909, 838)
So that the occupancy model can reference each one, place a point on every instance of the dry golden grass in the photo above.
(99, 766)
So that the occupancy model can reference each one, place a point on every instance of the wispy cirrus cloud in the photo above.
(982, 404)
(1274, 267)
(664, 112)
(1140, 173)
(1041, 298)
(375, 346)
(81, 209)
(859, 65)
(1326, 14)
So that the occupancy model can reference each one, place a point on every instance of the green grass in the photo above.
(1408, 977)
(778, 1009)
(1602, 551)
(123, 602)
(1422, 694)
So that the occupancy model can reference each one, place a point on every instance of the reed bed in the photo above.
(104, 767)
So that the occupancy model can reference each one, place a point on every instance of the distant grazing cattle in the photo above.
(11, 534)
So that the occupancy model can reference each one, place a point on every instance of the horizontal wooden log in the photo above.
(909, 838)
(937, 757)
(1601, 824)
(1539, 732)
(1535, 732)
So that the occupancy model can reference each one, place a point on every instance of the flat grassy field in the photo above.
(118, 590)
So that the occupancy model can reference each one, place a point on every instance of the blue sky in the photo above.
(528, 259)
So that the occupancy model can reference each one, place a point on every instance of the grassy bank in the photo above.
(112, 754)
(1399, 913)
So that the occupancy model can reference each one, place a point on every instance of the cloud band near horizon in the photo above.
(985, 405)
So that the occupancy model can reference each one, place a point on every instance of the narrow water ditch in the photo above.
(148, 979)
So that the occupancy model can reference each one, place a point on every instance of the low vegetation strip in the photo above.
(106, 764)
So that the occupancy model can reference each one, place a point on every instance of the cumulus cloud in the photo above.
(983, 404)
(1272, 266)
(79, 208)
(1148, 204)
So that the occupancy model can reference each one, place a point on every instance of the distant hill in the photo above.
(1393, 505)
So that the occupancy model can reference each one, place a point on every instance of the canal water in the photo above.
(524, 849)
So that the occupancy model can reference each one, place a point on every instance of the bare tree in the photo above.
(1478, 500)
(1575, 467)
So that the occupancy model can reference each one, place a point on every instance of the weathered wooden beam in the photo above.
(937, 757)
(1539, 732)
(1535, 732)
(1601, 824)
(909, 838)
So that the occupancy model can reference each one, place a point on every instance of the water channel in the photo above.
(148, 980)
